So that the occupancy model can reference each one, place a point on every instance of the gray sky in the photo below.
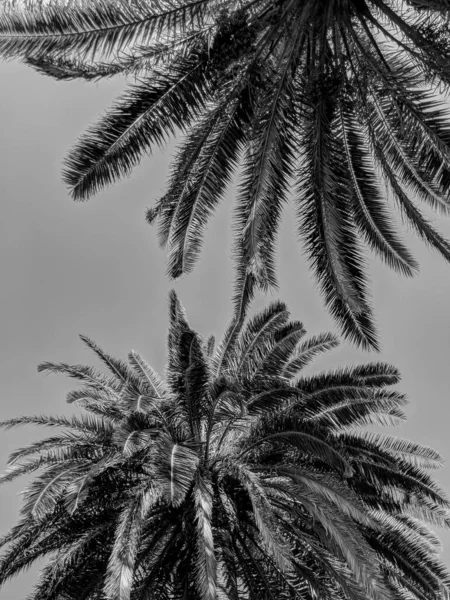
(95, 268)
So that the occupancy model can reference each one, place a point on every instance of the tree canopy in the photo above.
(333, 104)
(239, 476)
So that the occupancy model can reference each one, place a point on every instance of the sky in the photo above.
(96, 269)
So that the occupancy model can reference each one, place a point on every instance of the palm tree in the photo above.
(334, 104)
(236, 477)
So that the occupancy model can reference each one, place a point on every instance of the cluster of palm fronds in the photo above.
(311, 100)
(237, 477)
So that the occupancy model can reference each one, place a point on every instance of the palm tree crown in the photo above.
(313, 100)
(236, 477)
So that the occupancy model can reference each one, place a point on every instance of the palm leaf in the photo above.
(201, 191)
(415, 218)
(97, 29)
(369, 211)
(267, 166)
(145, 115)
(404, 163)
(264, 518)
(120, 575)
(175, 469)
(419, 456)
(43, 495)
(258, 330)
(152, 382)
(82, 373)
(307, 351)
(206, 573)
(285, 344)
(63, 69)
(225, 353)
(329, 236)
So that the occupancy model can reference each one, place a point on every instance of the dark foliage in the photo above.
(333, 104)
(237, 477)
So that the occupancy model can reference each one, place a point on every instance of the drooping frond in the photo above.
(43, 495)
(405, 164)
(275, 546)
(267, 167)
(353, 406)
(206, 561)
(194, 196)
(367, 204)
(120, 575)
(329, 235)
(98, 29)
(408, 208)
(419, 456)
(283, 430)
(67, 70)
(145, 115)
(176, 468)
(79, 443)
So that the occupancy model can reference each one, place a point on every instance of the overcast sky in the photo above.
(96, 268)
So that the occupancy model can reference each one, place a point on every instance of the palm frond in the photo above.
(375, 374)
(78, 488)
(267, 167)
(145, 115)
(63, 69)
(206, 561)
(419, 456)
(405, 164)
(62, 572)
(308, 444)
(29, 466)
(349, 541)
(331, 490)
(149, 379)
(196, 197)
(307, 351)
(271, 399)
(176, 469)
(328, 234)
(97, 29)
(98, 402)
(368, 206)
(84, 423)
(184, 162)
(285, 344)
(83, 373)
(118, 368)
(415, 217)
(42, 496)
(263, 515)
(258, 330)
(349, 407)
(197, 379)
(120, 575)
(66, 440)
(244, 290)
